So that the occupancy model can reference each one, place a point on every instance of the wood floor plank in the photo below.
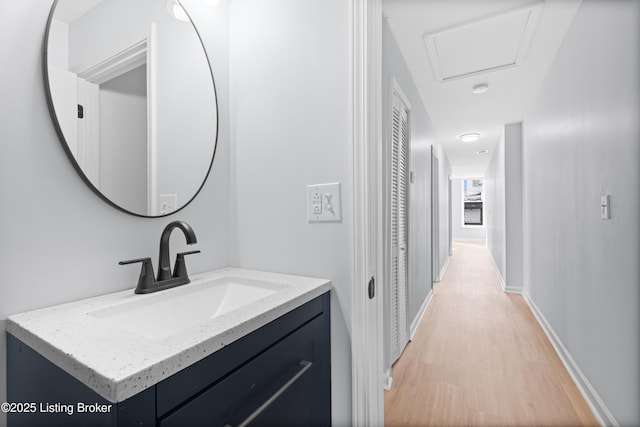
(479, 358)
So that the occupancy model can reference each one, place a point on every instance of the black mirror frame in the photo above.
(65, 146)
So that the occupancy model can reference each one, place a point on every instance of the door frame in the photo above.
(386, 269)
(435, 217)
(366, 104)
(132, 54)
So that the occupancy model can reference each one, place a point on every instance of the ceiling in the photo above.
(70, 10)
(452, 45)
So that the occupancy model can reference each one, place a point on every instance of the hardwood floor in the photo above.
(479, 358)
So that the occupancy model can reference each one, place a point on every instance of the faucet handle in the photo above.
(147, 278)
(180, 268)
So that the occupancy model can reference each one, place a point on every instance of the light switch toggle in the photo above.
(328, 205)
(604, 207)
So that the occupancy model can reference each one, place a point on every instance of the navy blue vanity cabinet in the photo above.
(278, 375)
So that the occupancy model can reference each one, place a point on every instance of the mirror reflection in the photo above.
(133, 98)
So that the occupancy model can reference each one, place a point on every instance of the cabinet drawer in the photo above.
(286, 381)
(182, 386)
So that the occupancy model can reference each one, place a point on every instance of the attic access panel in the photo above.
(484, 45)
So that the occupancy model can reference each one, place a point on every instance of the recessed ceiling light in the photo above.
(470, 137)
(480, 88)
(482, 151)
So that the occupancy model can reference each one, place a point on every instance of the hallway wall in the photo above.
(503, 202)
(494, 185)
(581, 142)
(423, 136)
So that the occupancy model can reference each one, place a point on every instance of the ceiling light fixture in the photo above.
(177, 11)
(480, 88)
(470, 137)
(484, 151)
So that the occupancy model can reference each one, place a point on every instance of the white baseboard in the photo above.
(513, 289)
(503, 284)
(470, 240)
(444, 268)
(599, 409)
(414, 325)
(388, 379)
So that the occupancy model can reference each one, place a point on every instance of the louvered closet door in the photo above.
(399, 235)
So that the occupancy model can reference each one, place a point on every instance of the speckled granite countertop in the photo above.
(117, 363)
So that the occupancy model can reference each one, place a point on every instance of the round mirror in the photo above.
(132, 96)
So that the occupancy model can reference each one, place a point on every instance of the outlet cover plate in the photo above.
(329, 208)
(168, 203)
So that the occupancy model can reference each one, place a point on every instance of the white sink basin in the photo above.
(170, 312)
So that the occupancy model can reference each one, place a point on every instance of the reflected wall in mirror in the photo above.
(131, 92)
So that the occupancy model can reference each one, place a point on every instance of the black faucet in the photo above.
(166, 280)
(164, 267)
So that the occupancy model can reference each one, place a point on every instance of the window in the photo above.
(472, 200)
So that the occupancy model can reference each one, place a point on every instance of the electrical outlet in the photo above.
(316, 203)
(323, 203)
(168, 203)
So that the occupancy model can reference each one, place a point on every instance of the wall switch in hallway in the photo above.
(604, 207)
(324, 203)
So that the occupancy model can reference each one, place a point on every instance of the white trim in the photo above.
(435, 215)
(513, 290)
(470, 240)
(396, 89)
(420, 315)
(597, 406)
(152, 121)
(503, 283)
(366, 99)
(388, 379)
(117, 64)
(444, 268)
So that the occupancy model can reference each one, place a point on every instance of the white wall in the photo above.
(513, 207)
(460, 231)
(503, 207)
(443, 205)
(291, 126)
(60, 242)
(580, 142)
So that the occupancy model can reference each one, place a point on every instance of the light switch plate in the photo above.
(604, 207)
(324, 203)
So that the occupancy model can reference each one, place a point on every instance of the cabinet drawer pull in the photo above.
(304, 367)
